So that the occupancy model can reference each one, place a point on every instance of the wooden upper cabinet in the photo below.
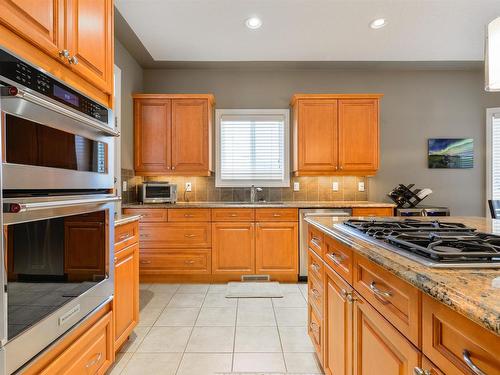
(173, 134)
(358, 135)
(190, 135)
(317, 132)
(152, 133)
(335, 134)
(90, 40)
(41, 22)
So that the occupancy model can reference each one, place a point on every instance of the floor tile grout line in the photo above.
(279, 336)
(234, 336)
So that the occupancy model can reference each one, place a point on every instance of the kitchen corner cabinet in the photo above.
(335, 134)
(71, 39)
(173, 134)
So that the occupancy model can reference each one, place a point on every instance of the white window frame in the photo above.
(490, 114)
(219, 113)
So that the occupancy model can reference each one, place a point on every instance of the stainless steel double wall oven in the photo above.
(58, 210)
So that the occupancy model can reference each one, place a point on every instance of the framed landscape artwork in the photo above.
(451, 153)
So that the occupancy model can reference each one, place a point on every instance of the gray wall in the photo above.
(418, 104)
(132, 82)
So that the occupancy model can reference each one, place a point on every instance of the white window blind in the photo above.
(252, 148)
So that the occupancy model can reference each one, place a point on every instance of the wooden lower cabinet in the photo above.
(233, 248)
(126, 298)
(373, 211)
(175, 261)
(337, 324)
(276, 248)
(378, 347)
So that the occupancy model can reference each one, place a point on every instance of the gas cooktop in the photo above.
(432, 243)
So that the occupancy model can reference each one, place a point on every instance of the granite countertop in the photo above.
(285, 204)
(121, 219)
(474, 293)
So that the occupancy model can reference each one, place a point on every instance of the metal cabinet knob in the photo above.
(64, 53)
(73, 60)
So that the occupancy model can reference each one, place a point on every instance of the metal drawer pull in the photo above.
(468, 361)
(316, 239)
(378, 292)
(351, 298)
(189, 261)
(276, 215)
(419, 371)
(315, 267)
(315, 293)
(314, 327)
(337, 259)
(94, 361)
(144, 235)
(116, 260)
(190, 235)
(145, 261)
(188, 215)
(124, 237)
(233, 215)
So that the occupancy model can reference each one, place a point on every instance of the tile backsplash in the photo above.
(204, 190)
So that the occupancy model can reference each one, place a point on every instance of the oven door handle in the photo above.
(12, 207)
(23, 94)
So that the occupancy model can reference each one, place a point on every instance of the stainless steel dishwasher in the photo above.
(303, 232)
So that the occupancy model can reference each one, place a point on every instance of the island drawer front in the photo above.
(316, 266)
(447, 334)
(188, 214)
(339, 257)
(148, 214)
(395, 299)
(314, 330)
(175, 261)
(233, 214)
(175, 235)
(315, 239)
(126, 235)
(373, 211)
(316, 295)
(276, 214)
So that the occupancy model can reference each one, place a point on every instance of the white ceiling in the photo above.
(311, 30)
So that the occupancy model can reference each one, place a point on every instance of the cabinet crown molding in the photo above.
(209, 97)
(334, 96)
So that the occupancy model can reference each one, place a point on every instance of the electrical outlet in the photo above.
(361, 186)
(124, 186)
(296, 186)
(188, 186)
(335, 186)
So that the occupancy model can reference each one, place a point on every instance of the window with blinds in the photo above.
(493, 153)
(252, 148)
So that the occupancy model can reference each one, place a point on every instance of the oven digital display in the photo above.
(67, 96)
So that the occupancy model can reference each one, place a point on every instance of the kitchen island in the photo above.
(449, 317)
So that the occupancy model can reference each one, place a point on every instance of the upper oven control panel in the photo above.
(20, 72)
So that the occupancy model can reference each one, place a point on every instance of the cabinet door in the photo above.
(358, 135)
(276, 247)
(378, 347)
(317, 136)
(233, 248)
(89, 35)
(190, 136)
(338, 326)
(126, 299)
(83, 250)
(41, 22)
(152, 133)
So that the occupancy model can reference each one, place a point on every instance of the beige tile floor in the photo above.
(192, 329)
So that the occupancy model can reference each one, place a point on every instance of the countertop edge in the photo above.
(488, 319)
(284, 204)
(126, 218)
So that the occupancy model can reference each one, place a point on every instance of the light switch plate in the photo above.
(124, 185)
(296, 186)
(335, 186)
(188, 186)
(361, 186)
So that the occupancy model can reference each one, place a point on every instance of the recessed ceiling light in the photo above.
(253, 23)
(378, 23)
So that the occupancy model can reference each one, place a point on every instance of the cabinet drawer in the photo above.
(315, 239)
(148, 214)
(175, 261)
(92, 353)
(315, 295)
(233, 214)
(189, 214)
(339, 257)
(448, 337)
(276, 214)
(126, 235)
(314, 329)
(395, 299)
(315, 265)
(175, 235)
(373, 211)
